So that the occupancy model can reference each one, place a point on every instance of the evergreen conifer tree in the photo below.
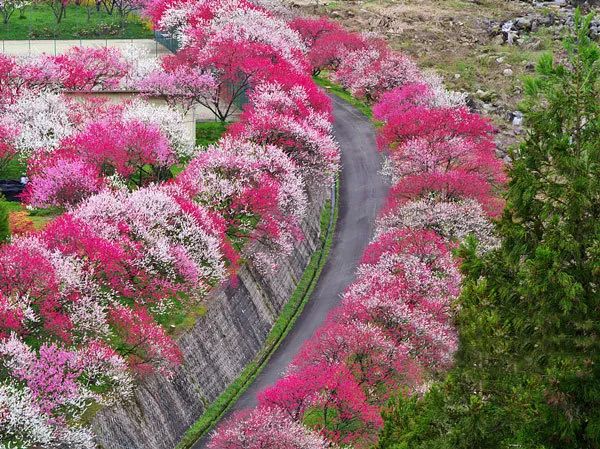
(527, 373)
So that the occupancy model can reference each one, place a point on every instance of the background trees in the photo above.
(527, 372)
(9, 7)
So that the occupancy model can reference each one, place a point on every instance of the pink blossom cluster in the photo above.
(267, 427)
(327, 42)
(364, 64)
(393, 329)
(258, 175)
(444, 152)
(84, 303)
(81, 302)
(80, 68)
(53, 385)
(287, 119)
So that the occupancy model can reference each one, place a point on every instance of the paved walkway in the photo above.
(361, 196)
(55, 47)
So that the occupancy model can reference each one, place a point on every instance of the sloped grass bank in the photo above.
(281, 328)
(339, 91)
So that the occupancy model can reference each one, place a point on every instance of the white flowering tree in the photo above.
(42, 119)
(170, 122)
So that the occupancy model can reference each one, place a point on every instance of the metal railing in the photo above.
(167, 40)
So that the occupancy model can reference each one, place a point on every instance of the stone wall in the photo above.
(215, 351)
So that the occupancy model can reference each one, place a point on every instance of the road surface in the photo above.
(362, 192)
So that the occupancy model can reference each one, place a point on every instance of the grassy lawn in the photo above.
(39, 217)
(209, 132)
(38, 22)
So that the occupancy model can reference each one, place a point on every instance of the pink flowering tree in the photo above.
(233, 66)
(214, 22)
(265, 427)
(143, 341)
(401, 100)
(8, 80)
(135, 151)
(287, 120)
(328, 398)
(377, 363)
(130, 153)
(327, 42)
(453, 220)
(155, 10)
(257, 189)
(374, 69)
(110, 263)
(422, 140)
(405, 285)
(447, 152)
(50, 295)
(31, 274)
(169, 120)
(235, 41)
(24, 424)
(7, 149)
(91, 68)
(455, 185)
(63, 182)
(184, 86)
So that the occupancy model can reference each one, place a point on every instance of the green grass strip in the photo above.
(281, 328)
(339, 91)
(209, 132)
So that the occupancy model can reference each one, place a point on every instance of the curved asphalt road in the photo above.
(362, 191)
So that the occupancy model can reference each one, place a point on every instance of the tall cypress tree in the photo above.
(528, 369)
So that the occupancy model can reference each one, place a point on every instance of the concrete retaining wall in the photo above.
(215, 351)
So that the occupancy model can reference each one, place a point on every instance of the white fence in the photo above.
(55, 46)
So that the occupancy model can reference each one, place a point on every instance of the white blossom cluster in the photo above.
(140, 63)
(170, 121)
(452, 220)
(440, 96)
(42, 118)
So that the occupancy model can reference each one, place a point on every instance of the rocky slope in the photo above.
(483, 47)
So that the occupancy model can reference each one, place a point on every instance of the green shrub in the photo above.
(4, 229)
